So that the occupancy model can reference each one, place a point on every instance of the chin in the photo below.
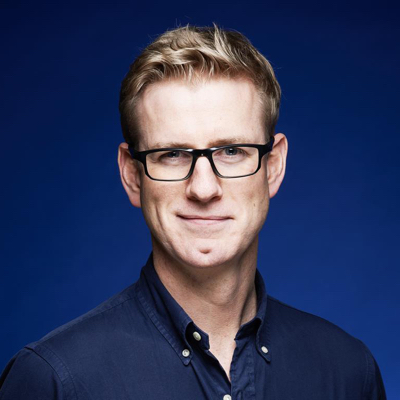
(205, 256)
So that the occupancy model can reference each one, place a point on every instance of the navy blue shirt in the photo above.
(140, 344)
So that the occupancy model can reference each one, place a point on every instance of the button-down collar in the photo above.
(178, 328)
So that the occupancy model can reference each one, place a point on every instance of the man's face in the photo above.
(205, 220)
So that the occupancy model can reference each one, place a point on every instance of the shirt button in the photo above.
(264, 349)
(197, 336)
(227, 397)
(186, 353)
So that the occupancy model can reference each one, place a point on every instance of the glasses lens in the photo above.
(236, 161)
(169, 165)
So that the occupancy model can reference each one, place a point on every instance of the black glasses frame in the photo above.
(262, 150)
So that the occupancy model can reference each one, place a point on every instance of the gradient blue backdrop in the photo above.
(70, 238)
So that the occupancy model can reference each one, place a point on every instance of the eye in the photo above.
(172, 157)
(230, 154)
(173, 154)
(231, 151)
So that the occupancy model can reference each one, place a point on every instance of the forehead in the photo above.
(176, 112)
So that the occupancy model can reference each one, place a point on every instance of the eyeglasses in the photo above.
(175, 164)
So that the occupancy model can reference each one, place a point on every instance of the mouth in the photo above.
(204, 220)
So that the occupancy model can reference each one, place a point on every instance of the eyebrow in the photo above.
(213, 143)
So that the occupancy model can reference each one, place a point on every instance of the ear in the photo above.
(276, 164)
(131, 178)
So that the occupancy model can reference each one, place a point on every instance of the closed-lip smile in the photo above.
(204, 219)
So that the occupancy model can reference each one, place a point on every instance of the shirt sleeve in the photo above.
(374, 388)
(29, 377)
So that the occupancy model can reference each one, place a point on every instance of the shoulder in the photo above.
(321, 346)
(103, 314)
(291, 323)
(54, 361)
(95, 330)
(286, 313)
(29, 376)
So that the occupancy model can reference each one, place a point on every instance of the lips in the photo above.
(207, 217)
(204, 219)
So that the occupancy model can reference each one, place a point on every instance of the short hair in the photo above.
(194, 53)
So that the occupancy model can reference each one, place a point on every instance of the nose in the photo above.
(203, 185)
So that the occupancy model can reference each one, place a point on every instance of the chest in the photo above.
(152, 370)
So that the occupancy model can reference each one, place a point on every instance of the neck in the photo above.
(219, 299)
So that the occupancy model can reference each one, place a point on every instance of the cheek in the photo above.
(157, 199)
(257, 202)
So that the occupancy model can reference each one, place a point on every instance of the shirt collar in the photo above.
(179, 329)
(263, 338)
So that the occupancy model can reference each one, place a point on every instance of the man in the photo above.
(201, 158)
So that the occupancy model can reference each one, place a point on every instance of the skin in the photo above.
(205, 230)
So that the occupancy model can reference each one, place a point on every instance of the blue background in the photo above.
(69, 236)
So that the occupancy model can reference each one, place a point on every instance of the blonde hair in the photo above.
(194, 53)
